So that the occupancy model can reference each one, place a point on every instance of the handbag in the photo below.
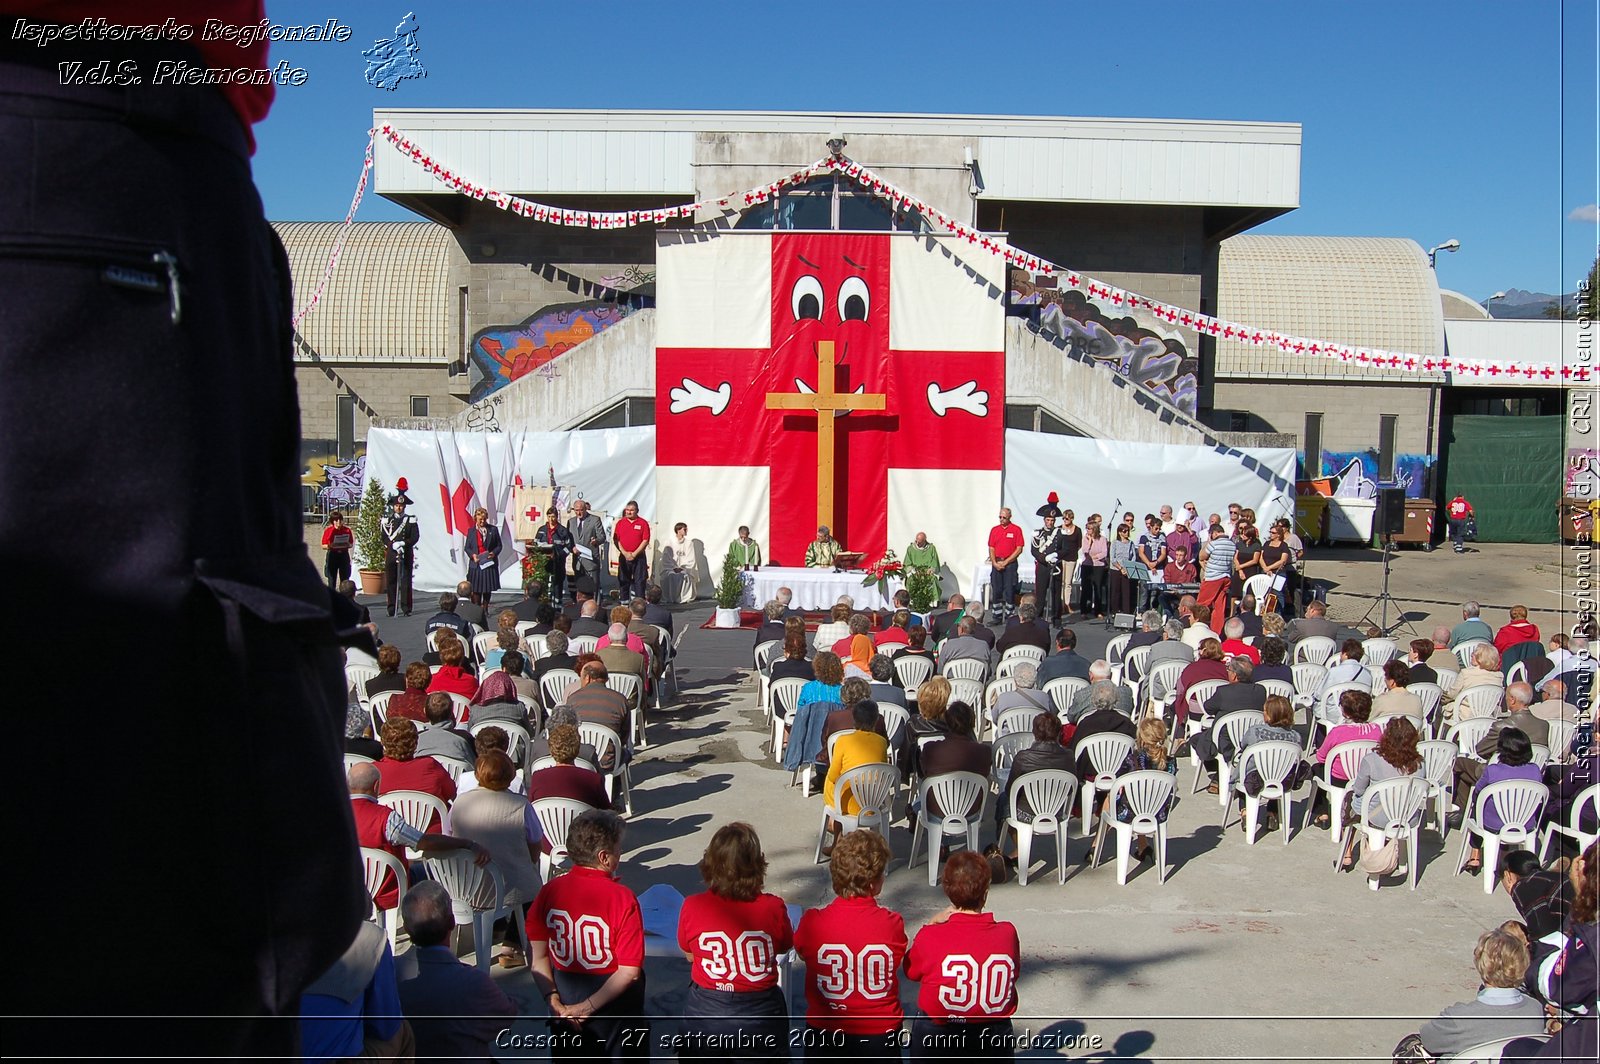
(1380, 860)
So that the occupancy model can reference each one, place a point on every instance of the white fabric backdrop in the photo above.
(1092, 475)
(606, 466)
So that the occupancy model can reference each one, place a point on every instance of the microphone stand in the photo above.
(1108, 527)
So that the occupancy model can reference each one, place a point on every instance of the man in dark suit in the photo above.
(1421, 671)
(943, 623)
(1045, 753)
(1240, 692)
(1149, 633)
(1066, 661)
(574, 609)
(1029, 630)
(470, 611)
(902, 601)
(654, 612)
(455, 1010)
(449, 617)
(966, 644)
(589, 622)
(556, 656)
(884, 688)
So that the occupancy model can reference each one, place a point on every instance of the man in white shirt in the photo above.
(1200, 629)
(1348, 669)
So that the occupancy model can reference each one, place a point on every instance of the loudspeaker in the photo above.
(1123, 621)
(1390, 520)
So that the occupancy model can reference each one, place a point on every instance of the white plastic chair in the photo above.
(873, 787)
(1464, 651)
(1518, 673)
(996, 687)
(582, 644)
(555, 685)
(669, 649)
(1116, 647)
(1402, 801)
(376, 866)
(555, 817)
(968, 691)
(541, 763)
(1439, 769)
(418, 808)
(1467, 734)
(484, 642)
(1589, 796)
(1013, 655)
(1561, 732)
(960, 797)
(453, 765)
(1430, 695)
(432, 638)
(1232, 726)
(631, 687)
(1106, 752)
(1018, 720)
(520, 744)
(965, 669)
(765, 652)
(478, 896)
(352, 760)
(1281, 688)
(1309, 678)
(605, 741)
(1130, 670)
(378, 706)
(896, 719)
(784, 698)
(1346, 757)
(1164, 676)
(1483, 700)
(1327, 708)
(356, 677)
(1257, 586)
(1063, 690)
(1377, 652)
(1145, 793)
(460, 706)
(1002, 751)
(912, 670)
(1050, 792)
(1541, 755)
(1274, 761)
(1194, 709)
(1447, 677)
(1316, 649)
(1486, 1052)
(1519, 804)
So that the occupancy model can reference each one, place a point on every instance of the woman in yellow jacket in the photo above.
(854, 749)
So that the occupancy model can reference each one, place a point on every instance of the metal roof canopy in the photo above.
(1171, 162)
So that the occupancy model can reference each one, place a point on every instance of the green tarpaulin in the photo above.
(1509, 469)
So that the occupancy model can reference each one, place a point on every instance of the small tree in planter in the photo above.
(369, 536)
(730, 592)
(922, 584)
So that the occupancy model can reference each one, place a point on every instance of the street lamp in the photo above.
(1433, 252)
(1491, 299)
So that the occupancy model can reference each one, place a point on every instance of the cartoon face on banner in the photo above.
(914, 405)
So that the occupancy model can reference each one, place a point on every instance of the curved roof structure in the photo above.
(1373, 292)
(388, 298)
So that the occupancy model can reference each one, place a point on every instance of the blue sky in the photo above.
(1430, 120)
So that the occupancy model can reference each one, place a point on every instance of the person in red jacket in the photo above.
(337, 539)
(586, 947)
(734, 935)
(1456, 513)
(1520, 630)
(402, 770)
(380, 828)
(852, 949)
(967, 963)
(454, 676)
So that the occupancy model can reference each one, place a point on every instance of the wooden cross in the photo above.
(826, 403)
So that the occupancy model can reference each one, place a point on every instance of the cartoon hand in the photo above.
(694, 395)
(965, 397)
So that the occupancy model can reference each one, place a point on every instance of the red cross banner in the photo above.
(528, 509)
(849, 379)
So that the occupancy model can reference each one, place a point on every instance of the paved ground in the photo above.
(1244, 953)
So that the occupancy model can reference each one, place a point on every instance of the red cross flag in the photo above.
(898, 339)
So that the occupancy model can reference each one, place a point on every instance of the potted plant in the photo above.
(922, 584)
(730, 592)
(536, 575)
(369, 536)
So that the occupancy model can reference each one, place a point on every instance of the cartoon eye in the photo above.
(807, 298)
(853, 300)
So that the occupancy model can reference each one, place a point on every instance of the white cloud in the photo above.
(1589, 212)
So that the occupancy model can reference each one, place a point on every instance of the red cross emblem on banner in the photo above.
(940, 409)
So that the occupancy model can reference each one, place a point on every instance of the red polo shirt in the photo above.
(852, 950)
(1005, 540)
(589, 922)
(630, 534)
(734, 945)
(967, 967)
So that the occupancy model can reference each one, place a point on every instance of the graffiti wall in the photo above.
(501, 354)
(1135, 343)
(1354, 475)
(328, 481)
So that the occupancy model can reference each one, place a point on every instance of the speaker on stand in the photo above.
(1390, 518)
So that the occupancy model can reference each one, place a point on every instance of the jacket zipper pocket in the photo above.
(122, 264)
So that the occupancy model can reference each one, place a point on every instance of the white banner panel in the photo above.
(450, 473)
(701, 283)
(1101, 476)
(955, 507)
(714, 501)
(931, 275)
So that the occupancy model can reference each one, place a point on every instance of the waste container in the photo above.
(1311, 518)
(1419, 523)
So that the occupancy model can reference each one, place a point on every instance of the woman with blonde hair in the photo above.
(933, 697)
(1149, 752)
(482, 547)
(1483, 672)
(1500, 1010)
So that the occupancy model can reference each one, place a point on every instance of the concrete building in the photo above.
(493, 320)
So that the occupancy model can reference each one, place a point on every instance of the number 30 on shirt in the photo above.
(585, 941)
(843, 974)
(970, 986)
(723, 957)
